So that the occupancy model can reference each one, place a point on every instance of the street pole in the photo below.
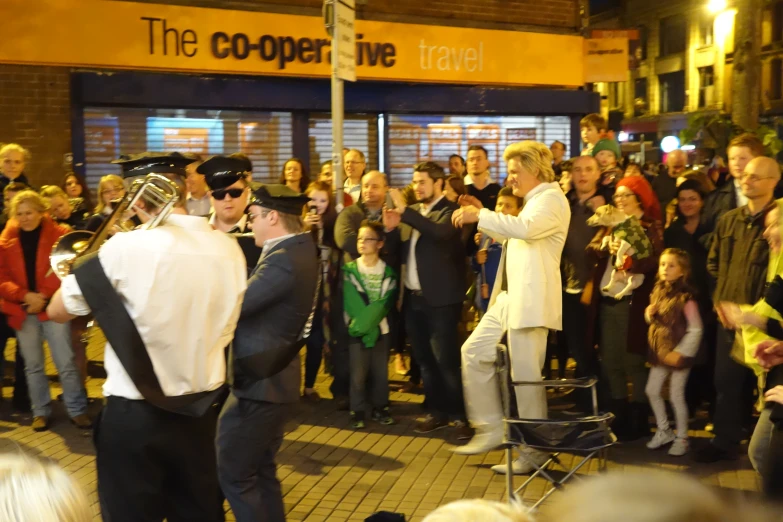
(340, 17)
(746, 72)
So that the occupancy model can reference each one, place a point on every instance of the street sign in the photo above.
(345, 39)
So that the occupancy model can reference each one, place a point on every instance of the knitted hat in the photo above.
(644, 193)
(607, 144)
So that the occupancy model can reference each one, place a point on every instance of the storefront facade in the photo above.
(215, 81)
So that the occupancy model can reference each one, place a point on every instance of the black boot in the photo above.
(621, 423)
(639, 421)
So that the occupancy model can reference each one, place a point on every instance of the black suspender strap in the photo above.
(126, 342)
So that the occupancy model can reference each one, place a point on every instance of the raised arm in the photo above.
(439, 229)
(269, 283)
(544, 219)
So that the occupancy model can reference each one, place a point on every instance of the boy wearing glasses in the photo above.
(369, 292)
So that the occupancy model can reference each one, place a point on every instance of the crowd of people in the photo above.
(690, 293)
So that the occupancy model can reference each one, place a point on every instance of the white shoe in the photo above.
(524, 463)
(679, 447)
(661, 438)
(486, 439)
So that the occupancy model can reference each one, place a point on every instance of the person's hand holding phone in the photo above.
(313, 218)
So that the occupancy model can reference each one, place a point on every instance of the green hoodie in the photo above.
(362, 316)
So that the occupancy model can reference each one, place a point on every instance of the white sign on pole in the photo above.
(345, 36)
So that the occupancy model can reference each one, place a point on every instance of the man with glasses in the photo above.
(355, 164)
(226, 178)
(738, 261)
(665, 186)
(264, 370)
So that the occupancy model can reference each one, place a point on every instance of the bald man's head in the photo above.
(677, 160)
(374, 188)
(760, 177)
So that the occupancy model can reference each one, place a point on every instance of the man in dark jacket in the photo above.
(665, 185)
(264, 368)
(728, 196)
(738, 261)
(434, 290)
(346, 230)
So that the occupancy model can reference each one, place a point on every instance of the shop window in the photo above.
(360, 132)
(706, 87)
(776, 77)
(416, 138)
(264, 136)
(643, 39)
(672, 35)
(672, 91)
(617, 95)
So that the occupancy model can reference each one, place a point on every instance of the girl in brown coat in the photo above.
(674, 337)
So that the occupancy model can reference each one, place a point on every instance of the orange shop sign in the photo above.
(606, 60)
(128, 35)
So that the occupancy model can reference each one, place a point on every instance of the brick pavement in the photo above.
(332, 473)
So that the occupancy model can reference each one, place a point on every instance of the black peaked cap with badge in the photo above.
(223, 171)
(280, 198)
(153, 163)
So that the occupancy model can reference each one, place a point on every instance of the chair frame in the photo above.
(603, 420)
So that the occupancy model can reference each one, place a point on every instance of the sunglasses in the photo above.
(220, 194)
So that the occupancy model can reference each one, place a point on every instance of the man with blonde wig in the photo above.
(526, 301)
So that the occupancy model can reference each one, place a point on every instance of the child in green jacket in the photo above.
(369, 291)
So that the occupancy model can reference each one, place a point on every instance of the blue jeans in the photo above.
(30, 338)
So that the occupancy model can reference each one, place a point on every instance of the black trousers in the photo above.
(436, 347)
(734, 385)
(155, 465)
(249, 436)
(575, 335)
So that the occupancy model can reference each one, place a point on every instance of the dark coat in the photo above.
(277, 303)
(440, 254)
(716, 204)
(637, 326)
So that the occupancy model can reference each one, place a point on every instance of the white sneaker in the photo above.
(661, 438)
(679, 447)
(486, 439)
(524, 463)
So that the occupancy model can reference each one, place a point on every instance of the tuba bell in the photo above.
(150, 199)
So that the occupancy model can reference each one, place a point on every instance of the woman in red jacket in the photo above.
(26, 285)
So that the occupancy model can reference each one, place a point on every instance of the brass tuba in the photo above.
(152, 198)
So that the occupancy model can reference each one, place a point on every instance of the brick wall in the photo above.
(524, 15)
(35, 112)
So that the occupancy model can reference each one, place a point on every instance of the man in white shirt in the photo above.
(526, 301)
(155, 436)
(355, 164)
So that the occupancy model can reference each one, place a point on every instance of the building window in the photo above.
(706, 31)
(643, 41)
(672, 91)
(617, 95)
(777, 22)
(776, 87)
(672, 35)
(640, 97)
(706, 87)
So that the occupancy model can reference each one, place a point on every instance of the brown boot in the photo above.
(82, 422)
(40, 423)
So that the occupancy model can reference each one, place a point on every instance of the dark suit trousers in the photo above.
(155, 465)
(734, 385)
(435, 344)
(249, 436)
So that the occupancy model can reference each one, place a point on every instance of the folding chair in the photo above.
(587, 436)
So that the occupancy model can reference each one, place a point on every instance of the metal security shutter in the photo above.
(360, 131)
(416, 138)
(264, 136)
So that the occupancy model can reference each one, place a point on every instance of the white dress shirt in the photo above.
(412, 270)
(742, 200)
(182, 283)
(239, 226)
(199, 207)
(355, 191)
